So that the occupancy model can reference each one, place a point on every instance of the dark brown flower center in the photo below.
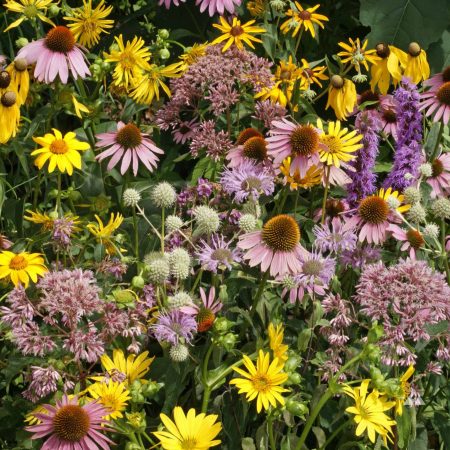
(5, 79)
(60, 39)
(129, 136)
(9, 98)
(415, 238)
(438, 168)
(373, 210)
(205, 319)
(369, 96)
(281, 233)
(337, 81)
(443, 93)
(255, 148)
(236, 30)
(446, 74)
(18, 262)
(383, 50)
(389, 116)
(71, 423)
(246, 134)
(304, 140)
(334, 207)
(414, 49)
(304, 15)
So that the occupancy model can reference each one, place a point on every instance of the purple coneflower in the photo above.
(437, 100)
(218, 6)
(185, 131)
(130, 145)
(174, 326)
(54, 55)
(388, 115)
(440, 176)
(217, 254)
(72, 426)
(248, 181)
(412, 239)
(250, 146)
(168, 3)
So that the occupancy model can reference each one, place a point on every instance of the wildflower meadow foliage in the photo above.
(224, 224)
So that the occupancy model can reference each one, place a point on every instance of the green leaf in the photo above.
(248, 444)
(401, 22)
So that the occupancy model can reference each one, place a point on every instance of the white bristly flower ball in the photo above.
(412, 195)
(179, 299)
(179, 353)
(131, 197)
(393, 202)
(441, 208)
(247, 223)
(180, 263)
(426, 169)
(173, 223)
(207, 219)
(158, 270)
(164, 195)
(431, 231)
(417, 213)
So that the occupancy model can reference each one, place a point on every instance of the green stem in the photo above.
(58, 197)
(298, 42)
(438, 140)
(206, 386)
(444, 253)
(163, 217)
(335, 433)
(37, 190)
(271, 435)
(260, 291)
(325, 194)
(136, 235)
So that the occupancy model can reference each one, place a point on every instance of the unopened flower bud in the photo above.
(337, 81)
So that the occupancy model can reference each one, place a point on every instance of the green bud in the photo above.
(137, 395)
(138, 282)
(375, 333)
(163, 33)
(164, 53)
(123, 296)
(150, 389)
(53, 215)
(294, 378)
(296, 408)
(292, 363)
(223, 294)
(53, 10)
(132, 446)
(21, 42)
(137, 420)
(75, 196)
(229, 341)
(373, 352)
(222, 325)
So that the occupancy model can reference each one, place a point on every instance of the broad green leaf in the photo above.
(248, 444)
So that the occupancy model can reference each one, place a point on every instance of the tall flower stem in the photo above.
(163, 217)
(335, 433)
(207, 388)
(325, 194)
(262, 285)
(444, 253)
(136, 234)
(297, 44)
(58, 197)
(272, 441)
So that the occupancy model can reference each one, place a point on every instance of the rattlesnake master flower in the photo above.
(412, 195)
(302, 18)
(237, 33)
(29, 10)
(61, 152)
(20, 267)
(173, 223)
(72, 426)
(89, 23)
(179, 353)
(112, 395)
(190, 431)
(416, 64)
(262, 382)
(431, 231)
(129, 145)
(179, 300)
(369, 410)
(164, 195)
(441, 208)
(207, 219)
(247, 223)
(56, 55)
(389, 65)
(341, 96)
(158, 270)
(131, 197)
(180, 263)
(417, 213)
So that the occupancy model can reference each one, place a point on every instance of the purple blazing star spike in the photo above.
(407, 157)
(173, 326)
(217, 254)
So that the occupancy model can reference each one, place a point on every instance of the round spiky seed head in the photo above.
(158, 270)
(131, 197)
(288, 282)
(278, 5)
(179, 299)
(180, 263)
(412, 195)
(247, 223)
(164, 195)
(179, 353)
(393, 202)
(173, 223)
(417, 213)
(408, 176)
(441, 208)
(207, 219)
(431, 231)
(426, 169)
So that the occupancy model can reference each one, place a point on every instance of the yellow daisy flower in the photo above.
(302, 18)
(103, 233)
(256, 7)
(313, 176)
(261, 382)
(40, 218)
(31, 419)
(9, 114)
(276, 93)
(88, 24)
(341, 96)
(61, 152)
(369, 412)
(20, 267)
(394, 198)
(405, 386)
(20, 79)
(236, 33)
(130, 369)
(147, 88)
(112, 395)
(192, 54)
(417, 67)
(388, 66)
(190, 431)
(131, 59)
(29, 9)
(79, 107)
(337, 144)
(356, 54)
(287, 71)
(276, 335)
(310, 75)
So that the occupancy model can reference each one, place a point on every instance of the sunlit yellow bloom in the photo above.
(356, 54)
(153, 80)
(190, 431)
(88, 24)
(311, 75)
(20, 267)
(338, 144)
(389, 196)
(192, 54)
(276, 94)
(29, 9)
(302, 18)
(369, 412)
(417, 67)
(256, 7)
(406, 389)
(9, 114)
(31, 419)
(261, 382)
(341, 96)
(287, 71)
(131, 60)
(237, 33)
(79, 107)
(40, 218)
(312, 178)
(61, 152)
(390, 64)
(129, 369)
(276, 336)
(103, 233)
(112, 395)
(20, 79)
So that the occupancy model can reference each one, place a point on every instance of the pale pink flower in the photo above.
(412, 239)
(436, 101)
(440, 177)
(218, 6)
(129, 145)
(388, 115)
(168, 3)
(55, 55)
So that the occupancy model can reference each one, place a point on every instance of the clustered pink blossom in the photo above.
(215, 143)
(44, 382)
